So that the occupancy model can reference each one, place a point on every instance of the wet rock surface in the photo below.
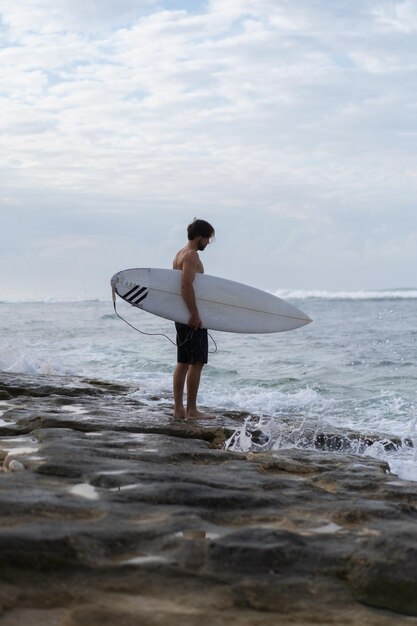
(112, 512)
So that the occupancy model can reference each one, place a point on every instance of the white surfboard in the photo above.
(223, 304)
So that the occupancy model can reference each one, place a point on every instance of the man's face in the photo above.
(203, 243)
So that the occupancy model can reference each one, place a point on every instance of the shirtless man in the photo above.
(192, 339)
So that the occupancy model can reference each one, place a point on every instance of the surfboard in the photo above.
(223, 304)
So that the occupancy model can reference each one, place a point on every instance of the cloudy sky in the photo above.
(289, 124)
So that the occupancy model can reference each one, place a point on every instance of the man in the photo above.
(192, 340)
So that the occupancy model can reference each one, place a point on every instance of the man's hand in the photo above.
(195, 322)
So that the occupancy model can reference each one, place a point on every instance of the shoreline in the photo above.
(119, 512)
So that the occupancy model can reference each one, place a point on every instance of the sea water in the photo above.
(354, 368)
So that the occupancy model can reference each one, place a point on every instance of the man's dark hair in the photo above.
(200, 228)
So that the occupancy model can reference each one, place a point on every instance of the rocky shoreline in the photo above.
(112, 512)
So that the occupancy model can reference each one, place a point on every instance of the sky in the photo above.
(290, 125)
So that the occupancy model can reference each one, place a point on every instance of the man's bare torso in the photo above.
(184, 255)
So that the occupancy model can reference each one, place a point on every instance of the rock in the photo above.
(255, 551)
(385, 573)
(15, 466)
(275, 595)
(127, 516)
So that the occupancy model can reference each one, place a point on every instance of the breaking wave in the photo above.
(387, 294)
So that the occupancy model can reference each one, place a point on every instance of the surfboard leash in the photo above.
(142, 332)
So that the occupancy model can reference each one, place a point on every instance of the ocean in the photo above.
(351, 374)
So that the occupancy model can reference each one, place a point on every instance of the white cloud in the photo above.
(397, 16)
(291, 111)
(42, 16)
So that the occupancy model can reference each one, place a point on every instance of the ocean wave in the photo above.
(52, 300)
(266, 432)
(388, 294)
(402, 293)
(270, 402)
(27, 361)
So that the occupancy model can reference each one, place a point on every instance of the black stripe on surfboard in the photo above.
(138, 292)
(133, 294)
(131, 291)
(139, 300)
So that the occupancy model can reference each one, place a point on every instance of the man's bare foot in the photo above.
(179, 413)
(198, 415)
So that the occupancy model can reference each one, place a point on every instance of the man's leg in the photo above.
(180, 374)
(193, 383)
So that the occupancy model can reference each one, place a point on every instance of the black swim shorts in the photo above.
(192, 344)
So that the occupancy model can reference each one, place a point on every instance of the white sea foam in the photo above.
(85, 490)
(389, 294)
(51, 300)
(270, 402)
(402, 460)
(406, 469)
(24, 360)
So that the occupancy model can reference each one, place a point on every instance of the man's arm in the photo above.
(189, 270)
